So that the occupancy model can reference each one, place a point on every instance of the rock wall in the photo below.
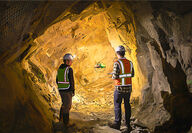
(20, 109)
(86, 39)
(24, 106)
(121, 28)
(92, 37)
(157, 36)
(163, 28)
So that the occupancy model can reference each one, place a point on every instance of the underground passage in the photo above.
(157, 37)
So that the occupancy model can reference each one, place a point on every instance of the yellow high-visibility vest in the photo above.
(63, 79)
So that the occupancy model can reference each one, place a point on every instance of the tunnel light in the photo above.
(76, 99)
(82, 48)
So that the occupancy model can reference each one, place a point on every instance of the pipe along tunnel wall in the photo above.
(37, 34)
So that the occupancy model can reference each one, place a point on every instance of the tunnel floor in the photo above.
(95, 119)
(80, 123)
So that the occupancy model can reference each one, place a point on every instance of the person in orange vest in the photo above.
(65, 83)
(122, 73)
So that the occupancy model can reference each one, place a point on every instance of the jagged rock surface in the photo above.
(157, 36)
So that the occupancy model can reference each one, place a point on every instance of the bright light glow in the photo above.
(76, 99)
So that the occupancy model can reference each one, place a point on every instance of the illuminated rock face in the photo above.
(157, 41)
(92, 40)
(87, 40)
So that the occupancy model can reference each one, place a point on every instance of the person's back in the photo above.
(64, 78)
(65, 82)
(122, 73)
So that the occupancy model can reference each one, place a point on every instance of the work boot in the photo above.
(115, 126)
(127, 130)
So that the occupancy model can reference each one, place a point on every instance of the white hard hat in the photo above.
(120, 48)
(68, 57)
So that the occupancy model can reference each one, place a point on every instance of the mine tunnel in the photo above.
(35, 36)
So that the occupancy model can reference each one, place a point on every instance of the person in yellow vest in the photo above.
(122, 73)
(65, 83)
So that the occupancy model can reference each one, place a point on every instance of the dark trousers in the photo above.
(66, 98)
(117, 103)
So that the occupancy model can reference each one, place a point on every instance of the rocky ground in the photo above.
(81, 124)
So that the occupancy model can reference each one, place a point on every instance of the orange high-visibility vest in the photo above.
(125, 75)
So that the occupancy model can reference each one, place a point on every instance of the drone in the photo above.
(100, 67)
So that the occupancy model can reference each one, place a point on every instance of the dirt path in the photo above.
(82, 124)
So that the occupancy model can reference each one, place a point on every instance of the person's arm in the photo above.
(57, 78)
(71, 80)
(116, 71)
(133, 72)
(57, 74)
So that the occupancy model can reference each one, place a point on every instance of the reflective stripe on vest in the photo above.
(63, 80)
(125, 75)
(125, 72)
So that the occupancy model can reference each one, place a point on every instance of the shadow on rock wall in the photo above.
(179, 102)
